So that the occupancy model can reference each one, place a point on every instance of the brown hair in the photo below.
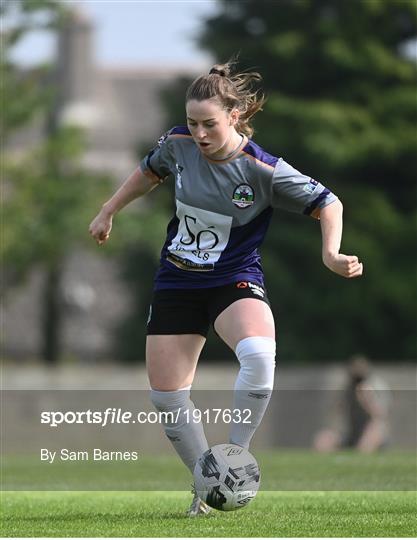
(232, 90)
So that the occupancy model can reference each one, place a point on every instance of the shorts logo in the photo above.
(243, 196)
(257, 290)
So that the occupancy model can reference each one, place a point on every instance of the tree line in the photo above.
(341, 108)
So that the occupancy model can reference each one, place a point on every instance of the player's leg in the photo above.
(373, 437)
(247, 327)
(327, 440)
(171, 362)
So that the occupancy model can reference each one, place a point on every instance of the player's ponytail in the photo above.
(233, 90)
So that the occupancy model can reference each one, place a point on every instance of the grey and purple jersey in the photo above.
(223, 209)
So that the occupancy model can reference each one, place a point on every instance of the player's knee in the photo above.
(256, 356)
(172, 400)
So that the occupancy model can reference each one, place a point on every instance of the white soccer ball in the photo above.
(227, 477)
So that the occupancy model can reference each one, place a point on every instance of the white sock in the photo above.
(186, 435)
(254, 384)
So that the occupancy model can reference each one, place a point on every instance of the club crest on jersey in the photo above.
(243, 196)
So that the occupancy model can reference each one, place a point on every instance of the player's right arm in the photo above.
(136, 185)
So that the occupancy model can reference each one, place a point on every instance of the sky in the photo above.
(139, 32)
(134, 32)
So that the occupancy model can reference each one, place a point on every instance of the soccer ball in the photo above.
(226, 477)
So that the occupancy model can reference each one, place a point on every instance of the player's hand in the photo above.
(100, 227)
(347, 266)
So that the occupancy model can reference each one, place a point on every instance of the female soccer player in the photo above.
(226, 187)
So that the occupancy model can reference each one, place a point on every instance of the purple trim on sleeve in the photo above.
(148, 162)
(180, 130)
(259, 153)
(316, 202)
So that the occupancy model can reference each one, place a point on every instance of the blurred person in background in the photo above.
(210, 273)
(361, 416)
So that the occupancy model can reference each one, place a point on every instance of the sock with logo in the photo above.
(253, 387)
(186, 435)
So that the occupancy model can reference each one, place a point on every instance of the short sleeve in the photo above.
(159, 161)
(296, 192)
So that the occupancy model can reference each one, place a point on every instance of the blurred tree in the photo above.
(49, 202)
(342, 107)
(23, 91)
(49, 197)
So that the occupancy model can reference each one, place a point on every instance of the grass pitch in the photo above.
(155, 514)
(387, 510)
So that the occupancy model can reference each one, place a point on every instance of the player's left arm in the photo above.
(331, 220)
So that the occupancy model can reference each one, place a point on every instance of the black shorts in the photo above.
(192, 311)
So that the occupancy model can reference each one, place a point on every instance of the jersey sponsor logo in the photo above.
(201, 238)
(243, 196)
(311, 186)
(186, 264)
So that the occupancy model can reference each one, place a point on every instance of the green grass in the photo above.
(345, 494)
(295, 470)
(150, 514)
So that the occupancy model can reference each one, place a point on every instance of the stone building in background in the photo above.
(120, 111)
